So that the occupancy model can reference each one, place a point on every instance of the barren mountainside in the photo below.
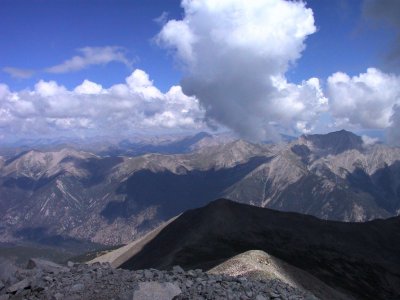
(88, 196)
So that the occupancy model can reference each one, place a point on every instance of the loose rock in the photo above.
(101, 281)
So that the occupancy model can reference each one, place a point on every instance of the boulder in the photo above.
(153, 290)
(45, 265)
(19, 286)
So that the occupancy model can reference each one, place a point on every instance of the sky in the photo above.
(258, 68)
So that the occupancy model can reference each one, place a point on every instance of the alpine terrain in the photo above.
(89, 196)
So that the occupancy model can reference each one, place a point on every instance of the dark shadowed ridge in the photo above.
(358, 258)
(146, 188)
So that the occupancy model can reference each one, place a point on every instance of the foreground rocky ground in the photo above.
(46, 280)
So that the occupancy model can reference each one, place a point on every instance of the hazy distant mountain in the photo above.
(360, 259)
(91, 197)
(183, 145)
(114, 146)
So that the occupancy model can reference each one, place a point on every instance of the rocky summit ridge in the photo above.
(44, 280)
(359, 259)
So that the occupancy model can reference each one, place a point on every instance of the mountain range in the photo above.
(90, 196)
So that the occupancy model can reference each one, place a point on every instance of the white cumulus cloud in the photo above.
(235, 55)
(49, 88)
(52, 109)
(88, 87)
(393, 132)
(364, 101)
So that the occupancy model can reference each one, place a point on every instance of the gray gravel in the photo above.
(101, 281)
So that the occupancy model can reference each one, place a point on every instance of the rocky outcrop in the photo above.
(256, 264)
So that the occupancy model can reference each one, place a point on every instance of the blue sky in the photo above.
(40, 39)
(345, 41)
(39, 34)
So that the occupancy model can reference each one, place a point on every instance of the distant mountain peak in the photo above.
(335, 142)
(334, 134)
